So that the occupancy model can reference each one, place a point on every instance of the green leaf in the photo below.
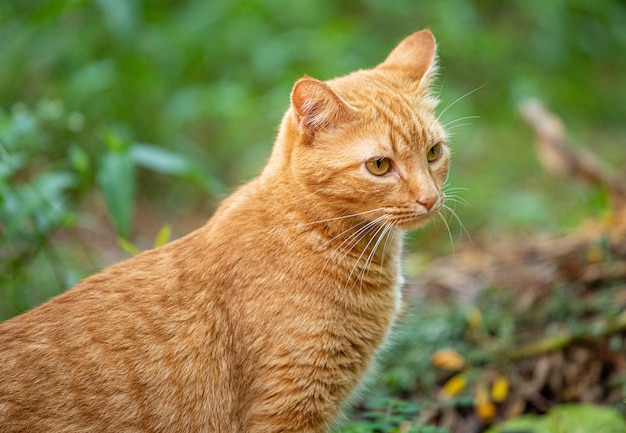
(570, 418)
(10, 163)
(168, 162)
(79, 159)
(116, 180)
(42, 199)
(92, 79)
(115, 142)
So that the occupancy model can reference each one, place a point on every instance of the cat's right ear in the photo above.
(316, 107)
(415, 58)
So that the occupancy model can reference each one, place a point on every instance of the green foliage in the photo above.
(44, 177)
(35, 192)
(386, 414)
(571, 418)
(116, 179)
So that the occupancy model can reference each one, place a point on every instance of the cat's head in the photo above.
(369, 143)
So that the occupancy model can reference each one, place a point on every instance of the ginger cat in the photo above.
(265, 319)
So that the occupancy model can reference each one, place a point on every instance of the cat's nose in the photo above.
(428, 201)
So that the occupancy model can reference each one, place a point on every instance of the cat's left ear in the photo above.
(316, 106)
(415, 58)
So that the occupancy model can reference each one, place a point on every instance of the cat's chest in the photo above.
(365, 290)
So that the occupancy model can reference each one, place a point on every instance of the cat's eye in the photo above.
(378, 166)
(434, 153)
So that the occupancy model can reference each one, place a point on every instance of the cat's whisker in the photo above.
(379, 228)
(387, 228)
(337, 218)
(462, 228)
(392, 227)
(364, 223)
(445, 223)
(306, 196)
(370, 258)
(363, 230)
(372, 230)
(440, 89)
(454, 198)
(329, 241)
(447, 125)
(447, 187)
(351, 241)
(458, 125)
(367, 230)
(450, 194)
(453, 103)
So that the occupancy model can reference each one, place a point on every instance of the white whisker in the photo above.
(337, 218)
(328, 241)
(370, 259)
(450, 194)
(451, 104)
(379, 228)
(351, 241)
(447, 125)
(462, 228)
(454, 198)
(448, 187)
(306, 196)
(445, 222)
(458, 125)
(384, 254)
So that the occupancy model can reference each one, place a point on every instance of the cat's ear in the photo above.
(316, 106)
(415, 57)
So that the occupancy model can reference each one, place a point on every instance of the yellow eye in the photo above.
(378, 166)
(434, 153)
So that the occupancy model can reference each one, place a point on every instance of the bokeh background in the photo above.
(121, 120)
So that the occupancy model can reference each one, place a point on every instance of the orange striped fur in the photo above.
(265, 319)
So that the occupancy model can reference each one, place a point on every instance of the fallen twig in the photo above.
(600, 328)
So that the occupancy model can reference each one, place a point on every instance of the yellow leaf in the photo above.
(474, 318)
(454, 385)
(127, 246)
(163, 236)
(486, 411)
(500, 389)
(448, 359)
(483, 407)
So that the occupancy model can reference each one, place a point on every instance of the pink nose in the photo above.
(428, 202)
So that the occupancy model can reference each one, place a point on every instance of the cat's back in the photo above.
(132, 348)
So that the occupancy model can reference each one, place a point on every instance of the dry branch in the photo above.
(560, 157)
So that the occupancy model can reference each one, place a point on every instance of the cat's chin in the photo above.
(415, 223)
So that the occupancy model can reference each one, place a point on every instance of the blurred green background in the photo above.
(118, 117)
